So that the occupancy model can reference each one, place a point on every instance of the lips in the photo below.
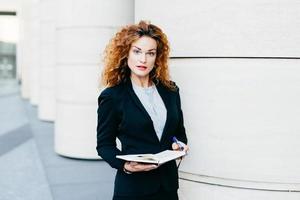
(141, 67)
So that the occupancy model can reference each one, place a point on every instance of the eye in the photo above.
(135, 51)
(151, 54)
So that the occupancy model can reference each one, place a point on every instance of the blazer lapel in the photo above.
(163, 92)
(165, 97)
(136, 100)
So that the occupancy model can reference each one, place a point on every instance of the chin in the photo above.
(142, 74)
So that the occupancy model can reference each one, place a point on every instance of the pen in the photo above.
(174, 139)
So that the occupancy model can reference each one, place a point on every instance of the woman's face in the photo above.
(142, 55)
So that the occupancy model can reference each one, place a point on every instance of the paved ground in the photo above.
(29, 167)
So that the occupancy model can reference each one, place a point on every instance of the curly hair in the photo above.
(116, 53)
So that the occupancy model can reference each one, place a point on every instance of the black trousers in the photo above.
(160, 195)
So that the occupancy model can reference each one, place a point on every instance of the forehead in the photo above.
(145, 43)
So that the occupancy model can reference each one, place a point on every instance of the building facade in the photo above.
(237, 66)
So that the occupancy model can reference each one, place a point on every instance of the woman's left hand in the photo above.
(138, 167)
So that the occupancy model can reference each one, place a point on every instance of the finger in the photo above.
(150, 167)
(138, 167)
(133, 163)
(144, 167)
(186, 148)
(153, 166)
(175, 146)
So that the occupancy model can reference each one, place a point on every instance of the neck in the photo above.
(141, 81)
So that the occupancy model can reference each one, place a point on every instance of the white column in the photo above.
(262, 28)
(20, 43)
(83, 30)
(242, 127)
(23, 54)
(241, 115)
(34, 52)
(46, 109)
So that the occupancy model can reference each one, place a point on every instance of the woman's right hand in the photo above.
(138, 167)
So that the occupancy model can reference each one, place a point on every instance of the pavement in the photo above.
(29, 167)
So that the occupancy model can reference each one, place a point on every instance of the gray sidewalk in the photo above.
(29, 167)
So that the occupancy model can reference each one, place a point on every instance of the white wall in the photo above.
(34, 23)
(83, 29)
(9, 5)
(227, 28)
(47, 106)
(241, 115)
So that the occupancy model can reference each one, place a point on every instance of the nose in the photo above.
(143, 58)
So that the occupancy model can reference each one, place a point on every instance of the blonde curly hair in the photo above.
(116, 53)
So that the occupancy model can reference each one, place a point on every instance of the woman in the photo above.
(141, 107)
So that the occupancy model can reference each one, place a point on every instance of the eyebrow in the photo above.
(141, 49)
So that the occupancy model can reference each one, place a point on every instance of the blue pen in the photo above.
(174, 139)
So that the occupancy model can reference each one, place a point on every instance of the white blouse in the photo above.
(154, 105)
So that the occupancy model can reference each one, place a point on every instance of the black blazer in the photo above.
(122, 115)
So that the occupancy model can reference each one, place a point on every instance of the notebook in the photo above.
(158, 159)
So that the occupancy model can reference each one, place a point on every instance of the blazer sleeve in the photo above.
(107, 129)
(180, 133)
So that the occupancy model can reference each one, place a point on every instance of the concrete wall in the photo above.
(47, 106)
(262, 28)
(34, 53)
(241, 112)
(9, 5)
(83, 29)
(236, 63)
